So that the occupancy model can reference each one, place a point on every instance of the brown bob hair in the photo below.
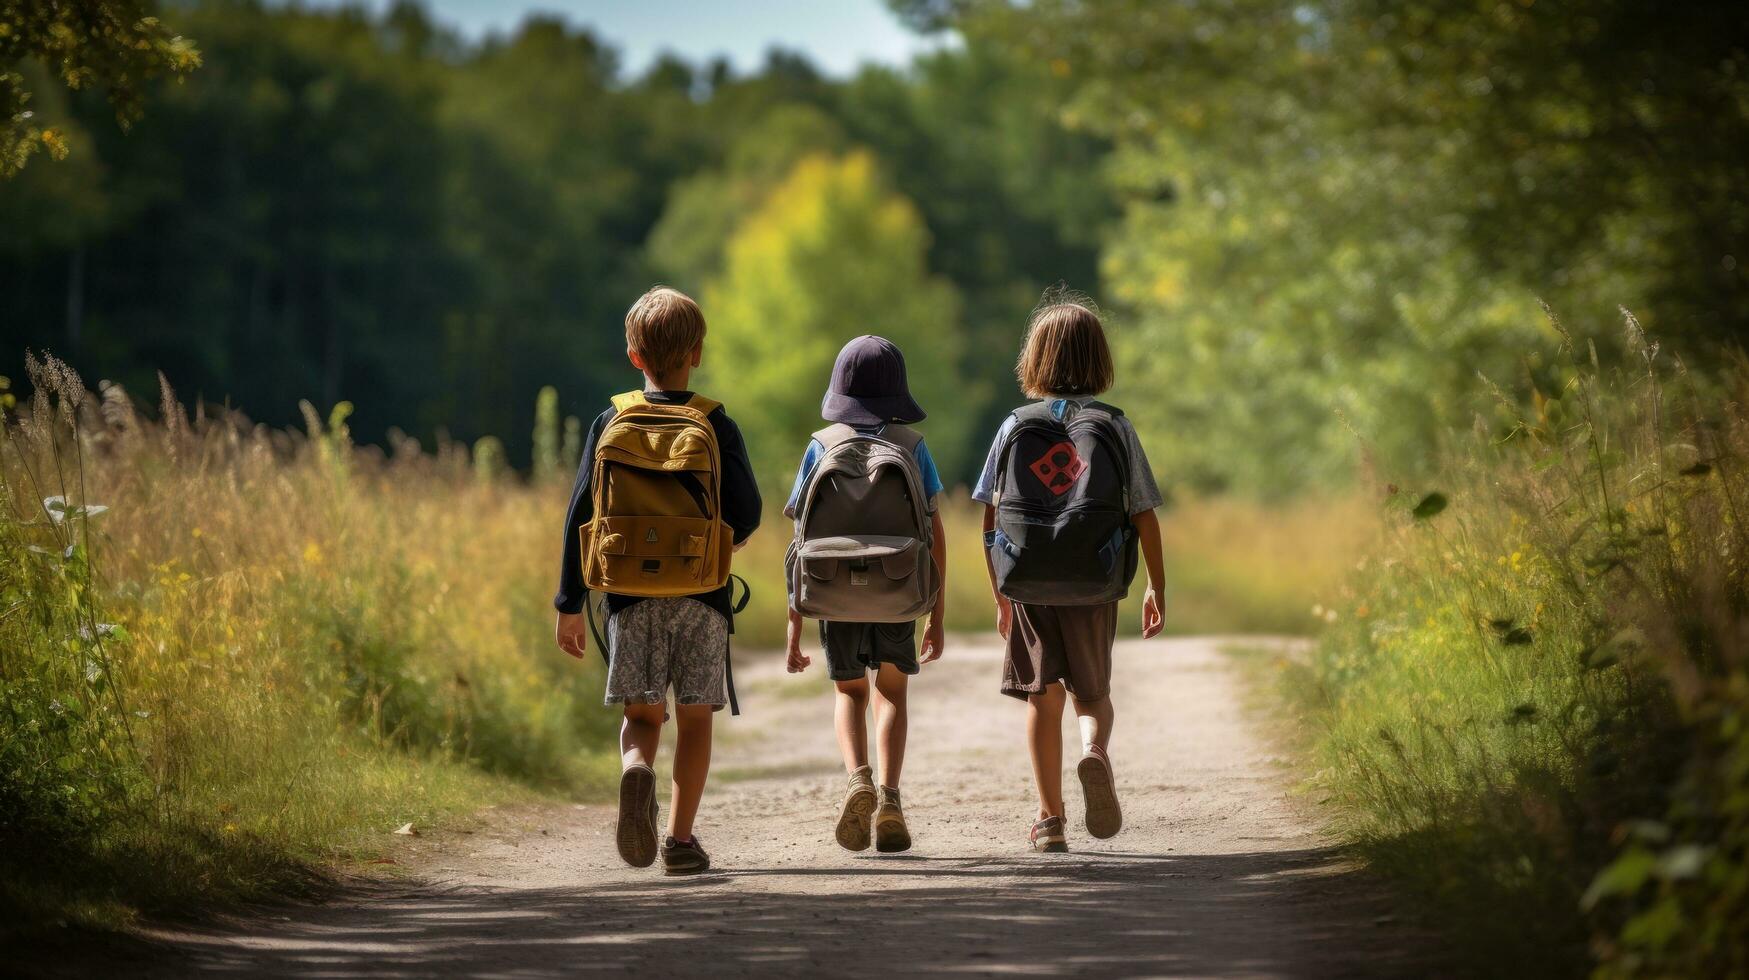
(663, 328)
(1065, 352)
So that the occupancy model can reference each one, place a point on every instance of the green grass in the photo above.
(1528, 707)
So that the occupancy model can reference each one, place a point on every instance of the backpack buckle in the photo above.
(859, 571)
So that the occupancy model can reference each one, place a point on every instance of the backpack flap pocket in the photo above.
(900, 564)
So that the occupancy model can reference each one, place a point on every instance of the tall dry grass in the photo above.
(1232, 566)
(228, 652)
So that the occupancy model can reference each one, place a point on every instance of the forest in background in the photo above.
(337, 206)
(237, 654)
(1313, 225)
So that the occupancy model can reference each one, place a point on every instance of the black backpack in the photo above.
(1063, 535)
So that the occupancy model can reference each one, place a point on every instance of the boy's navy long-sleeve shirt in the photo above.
(739, 500)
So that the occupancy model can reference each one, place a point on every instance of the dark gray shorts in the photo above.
(854, 648)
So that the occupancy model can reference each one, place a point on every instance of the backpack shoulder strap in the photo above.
(704, 405)
(1111, 410)
(903, 436)
(1035, 411)
(834, 435)
(629, 399)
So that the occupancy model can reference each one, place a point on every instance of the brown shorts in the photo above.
(1071, 644)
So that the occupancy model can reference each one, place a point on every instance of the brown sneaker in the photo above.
(1099, 793)
(1047, 835)
(684, 857)
(855, 813)
(891, 834)
(636, 832)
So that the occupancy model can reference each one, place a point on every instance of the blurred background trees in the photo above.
(1308, 222)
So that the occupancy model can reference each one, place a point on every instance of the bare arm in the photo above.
(1147, 525)
(935, 634)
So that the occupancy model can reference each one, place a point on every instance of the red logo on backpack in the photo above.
(1059, 467)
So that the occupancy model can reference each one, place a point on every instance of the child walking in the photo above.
(1068, 496)
(869, 557)
(653, 519)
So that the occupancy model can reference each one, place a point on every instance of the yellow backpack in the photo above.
(658, 528)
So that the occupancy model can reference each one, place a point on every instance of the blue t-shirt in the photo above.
(811, 459)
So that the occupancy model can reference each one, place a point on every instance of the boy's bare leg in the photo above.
(851, 720)
(692, 763)
(891, 721)
(640, 734)
(1098, 787)
(1095, 718)
(1044, 734)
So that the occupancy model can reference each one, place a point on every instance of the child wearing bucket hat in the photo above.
(869, 558)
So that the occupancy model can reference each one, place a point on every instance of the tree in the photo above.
(831, 253)
(1337, 213)
(115, 45)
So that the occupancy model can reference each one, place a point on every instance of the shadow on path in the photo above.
(1083, 914)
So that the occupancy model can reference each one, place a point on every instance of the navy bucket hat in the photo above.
(868, 386)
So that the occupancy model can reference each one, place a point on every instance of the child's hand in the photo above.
(797, 661)
(932, 640)
(572, 632)
(1004, 616)
(1152, 622)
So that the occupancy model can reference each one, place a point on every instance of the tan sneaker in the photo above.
(854, 816)
(636, 833)
(1099, 793)
(1048, 836)
(891, 834)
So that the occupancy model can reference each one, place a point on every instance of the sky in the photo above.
(837, 35)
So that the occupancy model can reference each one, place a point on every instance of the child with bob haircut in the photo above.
(1084, 464)
(668, 641)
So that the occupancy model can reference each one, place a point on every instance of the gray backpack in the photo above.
(862, 545)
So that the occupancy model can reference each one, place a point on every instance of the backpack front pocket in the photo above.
(653, 555)
(861, 578)
(1068, 556)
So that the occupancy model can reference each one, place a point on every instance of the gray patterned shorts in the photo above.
(662, 643)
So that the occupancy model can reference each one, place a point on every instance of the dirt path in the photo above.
(1216, 873)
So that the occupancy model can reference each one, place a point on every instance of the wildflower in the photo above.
(312, 553)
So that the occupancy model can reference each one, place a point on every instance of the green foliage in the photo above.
(115, 45)
(1336, 214)
(1530, 705)
(832, 253)
(342, 205)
